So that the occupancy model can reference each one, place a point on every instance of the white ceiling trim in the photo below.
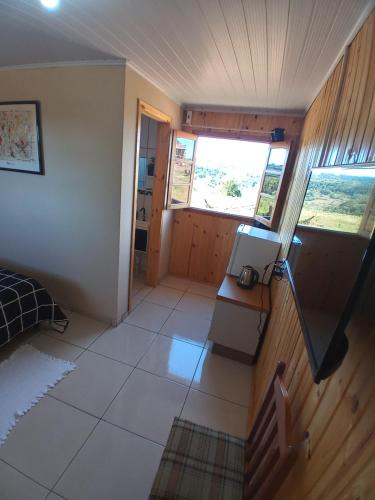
(173, 98)
(59, 64)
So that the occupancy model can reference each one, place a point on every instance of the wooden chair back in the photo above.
(269, 454)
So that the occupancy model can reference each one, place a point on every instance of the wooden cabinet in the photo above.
(351, 139)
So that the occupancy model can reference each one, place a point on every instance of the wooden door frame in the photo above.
(143, 108)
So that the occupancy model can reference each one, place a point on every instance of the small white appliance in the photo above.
(254, 247)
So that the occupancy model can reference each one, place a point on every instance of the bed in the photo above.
(24, 303)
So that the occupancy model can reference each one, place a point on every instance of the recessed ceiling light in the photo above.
(50, 4)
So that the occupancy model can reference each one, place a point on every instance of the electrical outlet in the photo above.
(278, 270)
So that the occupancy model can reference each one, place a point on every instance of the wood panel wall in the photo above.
(202, 244)
(314, 135)
(352, 138)
(243, 125)
(333, 422)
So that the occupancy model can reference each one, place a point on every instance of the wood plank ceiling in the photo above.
(271, 54)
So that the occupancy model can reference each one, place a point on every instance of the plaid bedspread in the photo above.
(199, 463)
(24, 302)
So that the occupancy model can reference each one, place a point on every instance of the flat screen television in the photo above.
(331, 261)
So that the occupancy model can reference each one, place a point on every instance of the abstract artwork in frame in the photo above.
(20, 137)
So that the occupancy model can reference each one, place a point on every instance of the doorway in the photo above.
(150, 172)
(146, 170)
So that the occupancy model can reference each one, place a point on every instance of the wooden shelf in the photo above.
(229, 291)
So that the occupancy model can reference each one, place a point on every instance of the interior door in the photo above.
(158, 196)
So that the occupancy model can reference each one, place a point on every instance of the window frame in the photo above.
(366, 215)
(230, 137)
(283, 186)
(172, 166)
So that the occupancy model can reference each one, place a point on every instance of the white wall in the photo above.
(63, 228)
(136, 87)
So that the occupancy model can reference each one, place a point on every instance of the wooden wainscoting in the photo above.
(333, 422)
(202, 244)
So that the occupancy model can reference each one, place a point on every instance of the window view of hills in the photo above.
(227, 175)
(338, 199)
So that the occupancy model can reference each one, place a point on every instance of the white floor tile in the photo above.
(164, 296)
(172, 359)
(136, 288)
(220, 415)
(93, 384)
(176, 282)
(188, 327)
(126, 343)
(149, 316)
(114, 464)
(223, 377)
(82, 331)
(139, 281)
(206, 290)
(54, 496)
(135, 301)
(56, 348)
(197, 305)
(15, 486)
(147, 405)
(139, 296)
(46, 439)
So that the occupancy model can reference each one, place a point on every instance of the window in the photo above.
(268, 208)
(227, 175)
(182, 169)
(236, 177)
(340, 199)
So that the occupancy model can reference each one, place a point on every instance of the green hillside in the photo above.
(336, 201)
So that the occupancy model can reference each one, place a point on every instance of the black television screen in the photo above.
(330, 258)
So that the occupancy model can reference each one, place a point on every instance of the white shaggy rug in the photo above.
(24, 379)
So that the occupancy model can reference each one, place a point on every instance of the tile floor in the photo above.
(99, 434)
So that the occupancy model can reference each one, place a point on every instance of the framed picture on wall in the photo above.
(20, 137)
